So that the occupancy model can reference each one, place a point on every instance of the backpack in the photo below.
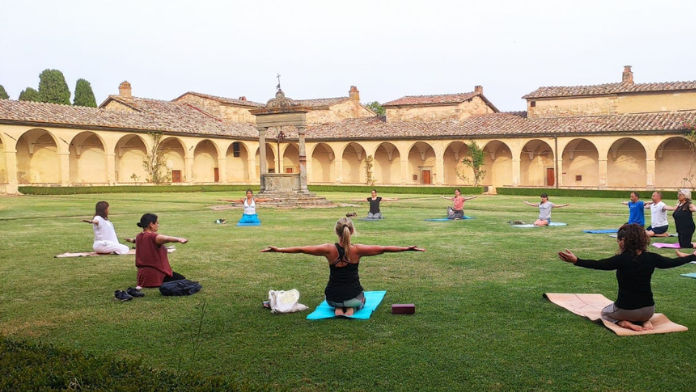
(180, 287)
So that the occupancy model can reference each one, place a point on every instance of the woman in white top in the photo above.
(249, 218)
(105, 240)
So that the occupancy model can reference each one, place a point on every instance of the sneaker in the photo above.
(122, 296)
(351, 215)
(135, 293)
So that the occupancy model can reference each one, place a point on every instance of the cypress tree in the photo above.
(53, 88)
(84, 96)
(29, 95)
(3, 93)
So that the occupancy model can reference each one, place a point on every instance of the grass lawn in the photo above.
(480, 322)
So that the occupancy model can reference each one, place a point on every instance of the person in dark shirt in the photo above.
(374, 200)
(634, 267)
(683, 218)
(344, 292)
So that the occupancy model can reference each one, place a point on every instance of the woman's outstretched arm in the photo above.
(530, 204)
(163, 239)
(314, 250)
(372, 250)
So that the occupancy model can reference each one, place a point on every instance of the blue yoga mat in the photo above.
(368, 219)
(607, 231)
(372, 300)
(448, 219)
(691, 275)
(550, 224)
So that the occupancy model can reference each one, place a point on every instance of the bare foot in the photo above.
(629, 325)
(338, 312)
(647, 326)
(350, 311)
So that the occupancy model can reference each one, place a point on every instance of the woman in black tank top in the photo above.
(343, 291)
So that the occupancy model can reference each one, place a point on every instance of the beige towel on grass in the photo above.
(591, 305)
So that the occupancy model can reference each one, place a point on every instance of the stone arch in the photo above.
(175, 155)
(626, 165)
(675, 164)
(270, 160)
(353, 170)
(291, 158)
(536, 159)
(323, 159)
(387, 164)
(580, 165)
(498, 164)
(237, 162)
(129, 153)
(37, 158)
(421, 164)
(205, 162)
(88, 159)
(454, 153)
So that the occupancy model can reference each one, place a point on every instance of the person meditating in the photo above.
(151, 257)
(374, 201)
(105, 240)
(658, 216)
(634, 267)
(545, 207)
(343, 291)
(249, 217)
(457, 210)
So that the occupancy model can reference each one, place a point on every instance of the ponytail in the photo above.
(344, 228)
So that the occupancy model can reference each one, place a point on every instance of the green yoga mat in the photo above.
(372, 300)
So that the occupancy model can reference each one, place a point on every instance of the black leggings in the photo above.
(685, 238)
(175, 276)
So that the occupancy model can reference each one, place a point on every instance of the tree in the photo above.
(377, 108)
(29, 95)
(475, 159)
(52, 87)
(155, 163)
(3, 93)
(84, 96)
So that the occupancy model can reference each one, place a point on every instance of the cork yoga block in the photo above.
(403, 309)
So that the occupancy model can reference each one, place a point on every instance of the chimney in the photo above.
(478, 89)
(353, 93)
(627, 76)
(124, 90)
(242, 98)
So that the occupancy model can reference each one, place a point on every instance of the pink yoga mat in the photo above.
(663, 245)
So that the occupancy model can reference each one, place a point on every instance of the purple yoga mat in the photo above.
(663, 245)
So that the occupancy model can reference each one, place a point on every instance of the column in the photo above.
(111, 168)
(222, 169)
(11, 164)
(303, 160)
(559, 171)
(515, 171)
(439, 169)
(602, 173)
(262, 150)
(650, 169)
(64, 159)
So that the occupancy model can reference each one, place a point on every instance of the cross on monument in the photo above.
(278, 86)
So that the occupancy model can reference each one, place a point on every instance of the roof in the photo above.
(432, 99)
(609, 88)
(224, 100)
(150, 115)
(320, 102)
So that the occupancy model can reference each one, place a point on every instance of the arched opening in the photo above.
(387, 164)
(237, 163)
(580, 164)
(536, 164)
(175, 161)
(291, 159)
(37, 158)
(421, 164)
(322, 164)
(88, 160)
(626, 166)
(498, 164)
(353, 167)
(675, 164)
(205, 162)
(454, 169)
(270, 160)
(130, 153)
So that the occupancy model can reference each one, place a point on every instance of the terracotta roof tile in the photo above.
(232, 101)
(432, 99)
(152, 115)
(316, 103)
(610, 88)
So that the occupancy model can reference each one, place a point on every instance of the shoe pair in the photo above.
(128, 294)
(351, 215)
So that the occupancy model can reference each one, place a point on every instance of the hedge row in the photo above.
(37, 367)
(607, 194)
(75, 190)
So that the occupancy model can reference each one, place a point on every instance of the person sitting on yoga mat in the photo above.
(249, 215)
(636, 209)
(457, 211)
(374, 201)
(151, 257)
(545, 207)
(683, 218)
(105, 240)
(634, 267)
(344, 292)
(658, 216)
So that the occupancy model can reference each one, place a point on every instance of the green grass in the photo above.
(480, 322)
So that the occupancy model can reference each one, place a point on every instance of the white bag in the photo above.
(285, 301)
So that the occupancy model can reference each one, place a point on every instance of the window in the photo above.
(235, 149)
(532, 104)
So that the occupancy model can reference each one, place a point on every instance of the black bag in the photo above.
(180, 287)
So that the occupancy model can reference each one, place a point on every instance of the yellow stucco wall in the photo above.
(641, 103)
(227, 112)
(567, 107)
(350, 108)
(460, 111)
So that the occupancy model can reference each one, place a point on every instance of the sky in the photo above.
(388, 49)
